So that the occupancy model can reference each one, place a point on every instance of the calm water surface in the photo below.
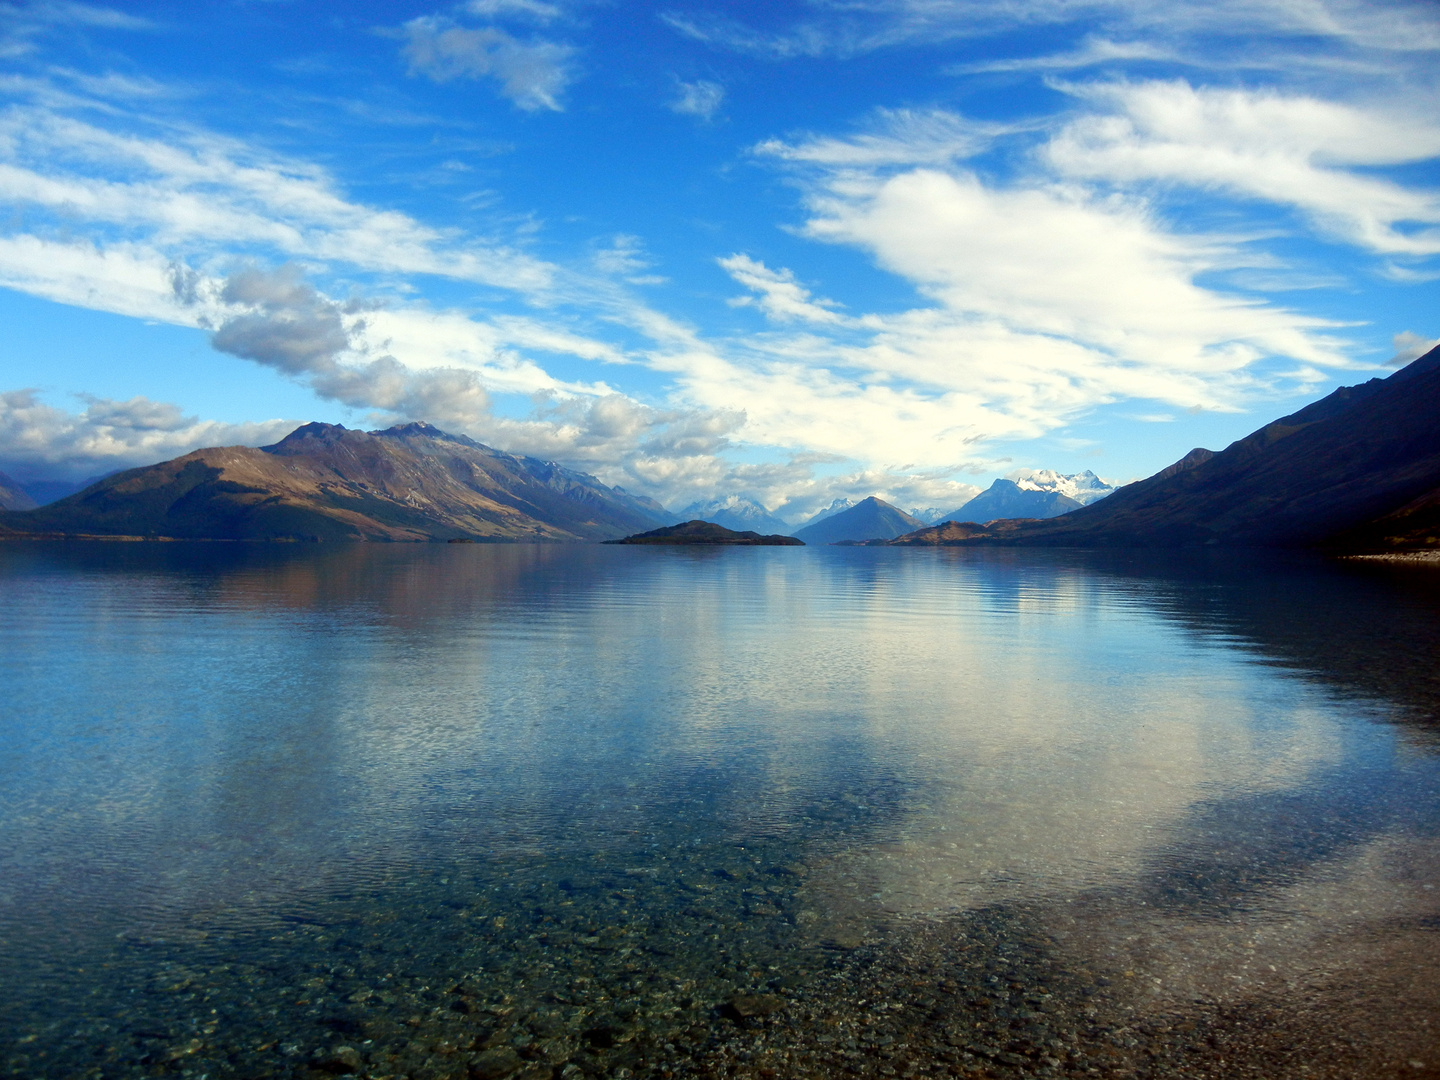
(485, 811)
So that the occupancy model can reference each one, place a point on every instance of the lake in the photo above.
(559, 811)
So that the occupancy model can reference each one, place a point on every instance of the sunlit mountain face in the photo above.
(800, 253)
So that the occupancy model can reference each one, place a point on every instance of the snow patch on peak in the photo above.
(738, 512)
(834, 508)
(1084, 487)
(928, 514)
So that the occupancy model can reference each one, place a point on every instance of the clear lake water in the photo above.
(455, 811)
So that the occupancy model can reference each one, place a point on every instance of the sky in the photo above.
(799, 251)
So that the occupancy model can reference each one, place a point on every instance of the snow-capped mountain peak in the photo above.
(1084, 487)
(836, 507)
(928, 514)
(738, 512)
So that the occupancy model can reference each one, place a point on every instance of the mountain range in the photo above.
(1357, 470)
(868, 519)
(737, 512)
(328, 482)
(1007, 499)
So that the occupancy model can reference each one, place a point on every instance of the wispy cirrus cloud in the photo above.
(1093, 51)
(1091, 294)
(852, 28)
(894, 137)
(191, 189)
(1287, 149)
(778, 293)
(24, 25)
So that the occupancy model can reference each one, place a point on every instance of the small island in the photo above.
(705, 532)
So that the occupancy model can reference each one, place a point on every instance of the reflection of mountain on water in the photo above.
(1363, 628)
(529, 762)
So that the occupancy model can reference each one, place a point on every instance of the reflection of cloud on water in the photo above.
(1074, 803)
(992, 730)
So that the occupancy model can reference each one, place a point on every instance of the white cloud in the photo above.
(111, 434)
(533, 74)
(894, 137)
(69, 13)
(203, 191)
(625, 257)
(701, 98)
(531, 9)
(1039, 298)
(410, 362)
(778, 294)
(1411, 346)
(126, 279)
(1099, 274)
(866, 25)
(1291, 150)
(1092, 52)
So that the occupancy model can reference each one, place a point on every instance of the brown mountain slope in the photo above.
(1324, 476)
(326, 482)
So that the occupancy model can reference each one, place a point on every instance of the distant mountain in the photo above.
(1007, 499)
(327, 482)
(1358, 470)
(830, 511)
(707, 532)
(1084, 487)
(736, 512)
(13, 496)
(928, 514)
(869, 519)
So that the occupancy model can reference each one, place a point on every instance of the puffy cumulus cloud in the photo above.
(1052, 260)
(207, 194)
(701, 98)
(1411, 346)
(42, 440)
(533, 74)
(1045, 300)
(284, 323)
(287, 326)
(1313, 155)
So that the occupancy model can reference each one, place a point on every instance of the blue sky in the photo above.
(802, 251)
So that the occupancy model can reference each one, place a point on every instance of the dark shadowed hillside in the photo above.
(707, 532)
(326, 482)
(13, 496)
(1359, 469)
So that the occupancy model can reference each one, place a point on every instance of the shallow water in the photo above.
(449, 811)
